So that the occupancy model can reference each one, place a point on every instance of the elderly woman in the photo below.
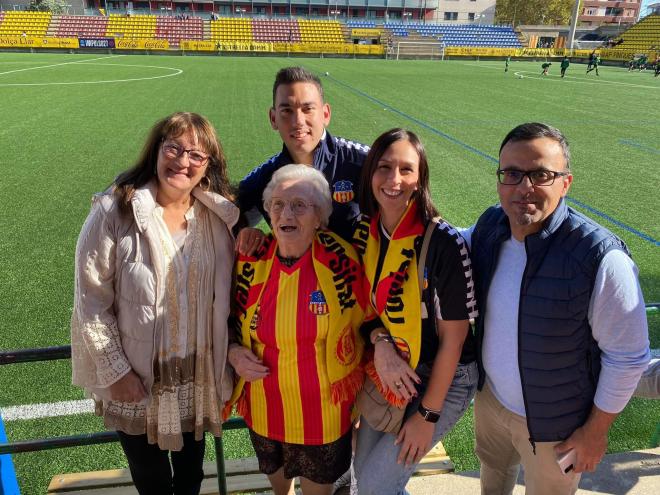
(152, 296)
(298, 309)
(421, 356)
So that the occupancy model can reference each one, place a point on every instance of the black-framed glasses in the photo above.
(539, 177)
(195, 158)
(298, 206)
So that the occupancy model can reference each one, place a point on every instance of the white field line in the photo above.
(556, 78)
(68, 408)
(175, 72)
(57, 65)
(47, 410)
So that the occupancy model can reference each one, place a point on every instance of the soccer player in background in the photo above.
(592, 57)
(564, 65)
(594, 65)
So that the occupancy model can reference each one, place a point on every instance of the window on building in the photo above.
(470, 16)
(451, 16)
(613, 11)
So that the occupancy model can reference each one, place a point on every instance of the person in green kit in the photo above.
(545, 68)
(595, 64)
(564, 65)
(506, 63)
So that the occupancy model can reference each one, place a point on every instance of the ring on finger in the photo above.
(398, 384)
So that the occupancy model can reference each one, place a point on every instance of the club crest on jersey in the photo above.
(343, 191)
(317, 303)
(346, 351)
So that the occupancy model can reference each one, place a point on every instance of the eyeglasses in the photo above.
(298, 206)
(195, 158)
(540, 177)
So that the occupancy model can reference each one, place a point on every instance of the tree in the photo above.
(518, 12)
(54, 6)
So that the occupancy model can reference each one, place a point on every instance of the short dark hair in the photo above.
(536, 130)
(368, 203)
(291, 75)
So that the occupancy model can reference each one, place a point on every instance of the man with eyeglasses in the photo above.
(562, 336)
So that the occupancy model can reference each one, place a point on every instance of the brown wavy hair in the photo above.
(173, 126)
(368, 203)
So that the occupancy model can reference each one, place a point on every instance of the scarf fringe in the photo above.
(346, 389)
(388, 394)
(242, 406)
(226, 411)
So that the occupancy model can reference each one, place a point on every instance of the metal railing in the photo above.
(64, 352)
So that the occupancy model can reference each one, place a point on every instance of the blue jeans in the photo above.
(375, 468)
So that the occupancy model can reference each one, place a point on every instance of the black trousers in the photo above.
(151, 470)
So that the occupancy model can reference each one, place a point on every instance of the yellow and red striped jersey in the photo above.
(293, 403)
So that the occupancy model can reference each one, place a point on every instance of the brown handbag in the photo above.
(374, 408)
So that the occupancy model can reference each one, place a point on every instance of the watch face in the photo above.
(430, 416)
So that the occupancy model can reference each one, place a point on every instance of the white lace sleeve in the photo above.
(98, 359)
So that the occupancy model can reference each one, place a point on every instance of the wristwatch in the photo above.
(428, 414)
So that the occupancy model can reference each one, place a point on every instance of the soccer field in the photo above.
(70, 123)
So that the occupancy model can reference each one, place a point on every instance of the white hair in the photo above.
(321, 197)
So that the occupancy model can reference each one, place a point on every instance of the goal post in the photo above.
(420, 49)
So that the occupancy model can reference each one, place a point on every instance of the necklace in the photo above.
(287, 261)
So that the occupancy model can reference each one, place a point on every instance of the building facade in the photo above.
(465, 11)
(599, 12)
(440, 11)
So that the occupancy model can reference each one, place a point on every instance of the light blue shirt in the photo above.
(617, 317)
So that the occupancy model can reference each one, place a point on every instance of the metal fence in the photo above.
(64, 352)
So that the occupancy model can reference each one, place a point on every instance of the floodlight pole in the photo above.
(574, 20)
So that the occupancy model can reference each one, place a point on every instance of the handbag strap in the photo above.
(421, 263)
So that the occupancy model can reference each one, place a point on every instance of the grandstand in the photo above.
(17, 23)
(271, 30)
(317, 31)
(234, 29)
(135, 27)
(460, 35)
(173, 30)
(79, 25)
(231, 29)
(642, 37)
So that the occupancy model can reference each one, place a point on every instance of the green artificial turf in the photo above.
(70, 123)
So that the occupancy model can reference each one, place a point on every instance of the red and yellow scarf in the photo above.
(337, 267)
(395, 295)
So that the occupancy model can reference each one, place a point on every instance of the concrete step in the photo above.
(626, 473)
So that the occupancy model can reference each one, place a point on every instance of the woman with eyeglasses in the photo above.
(298, 309)
(152, 295)
(420, 352)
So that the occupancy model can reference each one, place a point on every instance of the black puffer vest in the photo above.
(558, 358)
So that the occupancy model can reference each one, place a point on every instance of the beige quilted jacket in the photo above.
(119, 297)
